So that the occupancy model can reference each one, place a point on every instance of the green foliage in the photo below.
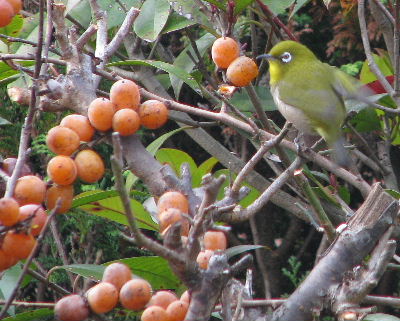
(293, 273)
(353, 69)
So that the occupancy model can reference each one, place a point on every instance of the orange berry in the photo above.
(154, 313)
(80, 125)
(66, 193)
(185, 297)
(6, 261)
(39, 217)
(62, 170)
(71, 308)
(242, 71)
(215, 240)
(224, 50)
(171, 216)
(117, 274)
(9, 211)
(173, 199)
(163, 299)
(102, 298)
(177, 310)
(90, 166)
(203, 258)
(29, 190)
(19, 245)
(125, 94)
(153, 114)
(16, 5)
(62, 140)
(100, 113)
(6, 13)
(126, 122)
(8, 166)
(135, 294)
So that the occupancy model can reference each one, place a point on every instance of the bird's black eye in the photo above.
(286, 57)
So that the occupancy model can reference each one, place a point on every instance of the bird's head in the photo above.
(286, 55)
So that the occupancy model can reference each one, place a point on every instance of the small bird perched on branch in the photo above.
(310, 94)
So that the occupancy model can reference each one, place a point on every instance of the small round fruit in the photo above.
(65, 193)
(117, 274)
(177, 310)
(102, 297)
(126, 122)
(8, 166)
(90, 166)
(125, 94)
(29, 190)
(163, 299)
(9, 211)
(135, 294)
(19, 245)
(39, 217)
(185, 297)
(100, 113)
(79, 124)
(6, 261)
(173, 199)
(62, 170)
(6, 13)
(71, 308)
(203, 258)
(215, 240)
(16, 5)
(224, 50)
(242, 71)
(62, 140)
(171, 216)
(154, 313)
(153, 114)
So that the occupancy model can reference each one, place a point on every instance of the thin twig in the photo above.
(396, 49)
(385, 11)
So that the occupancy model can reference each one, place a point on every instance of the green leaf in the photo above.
(235, 250)
(367, 76)
(175, 158)
(4, 121)
(185, 63)
(241, 100)
(31, 315)
(154, 146)
(278, 7)
(366, 121)
(218, 3)
(204, 168)
(171, 69)
(92, 196)
(152, 19)
(299, 5)
(189, 10)
(89, 271)
(393, 193)
(380, 317)
(13, 28)
(240, 5)
(345, 194)
(176, 22)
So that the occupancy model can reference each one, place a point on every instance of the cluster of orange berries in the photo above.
(134, 294)
(8, 9)
(241, 70)
(173, 207)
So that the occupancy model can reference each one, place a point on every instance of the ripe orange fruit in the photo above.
(224, 50)
(9, 211)
(18, 245)
(8, 166)
(16, 5)
(80, 125)
(62, 170)
(153, 114)
(66, 193)
(135, 294)
(126, 122)
(215, 240)
(29, 190)
(177, 310)
(117, 274)
(125, 94)
(6, 261)
(173, 199)
(102, 298)
(39, 217)
(171, 216)
(6, 13)
(203, 258)
(100, 113)
(242, 71)
(162, 299)
(71, 308)
(90, 166)
(62, 140)
(154, 313)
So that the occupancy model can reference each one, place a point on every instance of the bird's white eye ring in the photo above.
(286, 57)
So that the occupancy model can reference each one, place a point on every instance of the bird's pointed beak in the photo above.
(266, 56)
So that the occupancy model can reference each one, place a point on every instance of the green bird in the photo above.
(311, 94)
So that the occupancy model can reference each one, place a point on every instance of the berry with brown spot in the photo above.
(38, 214)
(171, 216)
(203, 258)
(242, 71)
(173, 199)
(79, 124)
(102, 298)
(62, 170)
(117, 274)
(177, 310)
(29, 190)
(163, 299)
(90, 166)
(135, 294)
(71, 308)
(125, 93)
(126, 122)
(65, 193)
(100, 113)
(154, 313)
(19, 245)
(6, 13)
(62, 140)
(9, 211)
(224, 50)
(215, 240)
(153, 114)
